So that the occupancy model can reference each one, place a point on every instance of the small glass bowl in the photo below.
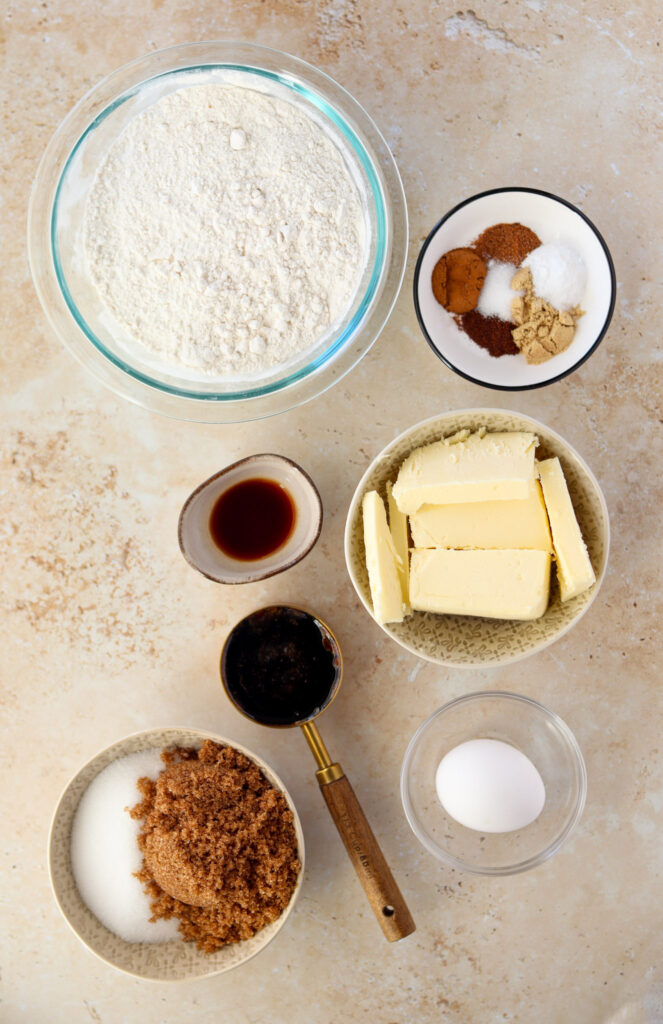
(56, 233)
(530, 727)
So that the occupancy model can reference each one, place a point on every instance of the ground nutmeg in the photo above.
(508, 243)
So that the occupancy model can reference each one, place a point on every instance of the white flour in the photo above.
(224, 231)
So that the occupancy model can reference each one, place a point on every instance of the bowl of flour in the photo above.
(218, 231)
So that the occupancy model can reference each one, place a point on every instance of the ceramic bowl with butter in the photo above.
(253, 519)
(470, 640)
(523, 725)
(554, 221)
(173, 960)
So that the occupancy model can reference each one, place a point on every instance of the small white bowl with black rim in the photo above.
(553, 220)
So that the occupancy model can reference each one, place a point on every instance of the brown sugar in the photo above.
(508, 243)
(457, 280)
(219, 845)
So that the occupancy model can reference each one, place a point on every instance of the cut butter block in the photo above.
(574, 569)
(398, 528)
(481, 467)
(493, 584)
(484, 524)
(381, 561)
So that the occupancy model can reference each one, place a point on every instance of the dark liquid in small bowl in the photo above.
(252, 519)
(279, 666)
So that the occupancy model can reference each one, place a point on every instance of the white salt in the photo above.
(104, 850)
(559, 274)
(496, 295)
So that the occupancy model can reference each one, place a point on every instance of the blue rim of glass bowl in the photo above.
(549, 380)
(343, 337)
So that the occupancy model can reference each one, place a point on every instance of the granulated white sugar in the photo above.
(104, 850)
(559, 275)
(496, 295)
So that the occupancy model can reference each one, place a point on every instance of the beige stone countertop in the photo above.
(106, 630)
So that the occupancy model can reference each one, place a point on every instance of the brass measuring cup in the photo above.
(363, 849)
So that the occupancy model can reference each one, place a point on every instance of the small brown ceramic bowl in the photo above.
(161, 961)
(195, 537)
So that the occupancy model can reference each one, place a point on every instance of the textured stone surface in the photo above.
(106, 630)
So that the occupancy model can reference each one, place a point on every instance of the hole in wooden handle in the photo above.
(388, 911)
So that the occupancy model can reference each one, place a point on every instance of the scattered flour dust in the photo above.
(224, 231)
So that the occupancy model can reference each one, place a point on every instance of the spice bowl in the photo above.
(464, 641)
(536, 732)
(553, 220)
(162, 961)
(196, 538)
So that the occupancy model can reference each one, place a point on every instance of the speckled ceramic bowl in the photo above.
(466, 641)
(166, 961)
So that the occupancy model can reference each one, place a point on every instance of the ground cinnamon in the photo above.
(490, 333)
(219, 845)
(508, 243)
(457, 280)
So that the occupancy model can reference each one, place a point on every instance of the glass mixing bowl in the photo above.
(56, 247)
(530, 727)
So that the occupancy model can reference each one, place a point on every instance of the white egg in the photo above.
(489, 786)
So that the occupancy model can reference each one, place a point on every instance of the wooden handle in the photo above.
(383, 894)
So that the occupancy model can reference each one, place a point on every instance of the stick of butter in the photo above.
(493, 584)
(398, 528)
(381, 561)
(484, 524)
(574, 569)
(482, 467)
